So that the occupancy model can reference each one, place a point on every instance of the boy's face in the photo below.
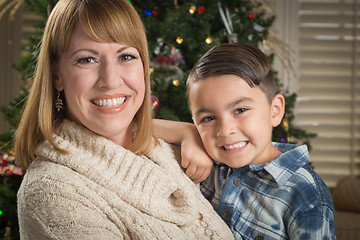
(234, 120)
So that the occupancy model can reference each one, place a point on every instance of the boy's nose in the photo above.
(225, 127)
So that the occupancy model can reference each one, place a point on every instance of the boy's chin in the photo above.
(235, 165)
(232, 164)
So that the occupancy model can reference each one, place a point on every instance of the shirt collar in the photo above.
(280, 168)
(284, 166)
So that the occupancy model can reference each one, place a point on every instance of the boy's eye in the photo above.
(207, 119)
(241, 110)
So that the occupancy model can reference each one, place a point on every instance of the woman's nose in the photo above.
(110, 75)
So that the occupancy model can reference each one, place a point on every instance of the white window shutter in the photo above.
(329, 85)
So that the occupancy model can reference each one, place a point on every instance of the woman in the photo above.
(94, 169)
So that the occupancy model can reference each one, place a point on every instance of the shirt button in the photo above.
(237, 182)
(224, 214)
(259, 237)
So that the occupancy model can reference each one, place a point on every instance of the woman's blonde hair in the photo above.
(105, 21)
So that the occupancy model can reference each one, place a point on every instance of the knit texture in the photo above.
(103, 191)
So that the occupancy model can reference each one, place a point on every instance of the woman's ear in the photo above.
(277, 109)
(58, 84)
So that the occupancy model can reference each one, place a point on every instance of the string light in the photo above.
(208, 40)
(151, 70)
(1, 212)
(176, 82)
(155, 13)
(201, 10)
(286, 126)
(251, 15)
(155, 103)
(147, 12)
(179, 40)
(192, 9)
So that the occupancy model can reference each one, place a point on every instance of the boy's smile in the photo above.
(234, 120)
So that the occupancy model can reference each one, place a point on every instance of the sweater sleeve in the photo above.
(51, 209)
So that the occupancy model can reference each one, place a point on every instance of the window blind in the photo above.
(329, 85)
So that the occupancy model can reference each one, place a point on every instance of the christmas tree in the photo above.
(179, 32)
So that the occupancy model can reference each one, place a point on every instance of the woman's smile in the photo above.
(109, 103)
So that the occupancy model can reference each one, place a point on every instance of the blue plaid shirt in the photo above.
(282, 199)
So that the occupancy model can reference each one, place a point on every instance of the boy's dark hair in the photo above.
(243, 60)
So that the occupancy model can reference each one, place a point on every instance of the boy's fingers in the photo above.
(185, 162)
(197, 174)
(190, 171)
(203, 176)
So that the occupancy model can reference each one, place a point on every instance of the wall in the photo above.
(10, 51)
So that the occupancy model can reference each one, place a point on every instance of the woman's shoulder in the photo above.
(59, 202)
(45, 179)
(48, 188)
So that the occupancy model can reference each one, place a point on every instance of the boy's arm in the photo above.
(194, 158)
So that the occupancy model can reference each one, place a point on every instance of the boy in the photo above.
(261, 190)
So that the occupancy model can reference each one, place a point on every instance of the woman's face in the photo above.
(103, 85)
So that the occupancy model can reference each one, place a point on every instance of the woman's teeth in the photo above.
(235, 146)
(108, 103)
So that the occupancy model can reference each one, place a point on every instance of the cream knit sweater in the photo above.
(102, 191)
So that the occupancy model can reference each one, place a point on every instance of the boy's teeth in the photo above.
(234, 146)
(113, 102)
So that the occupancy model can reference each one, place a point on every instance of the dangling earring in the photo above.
(59, 102)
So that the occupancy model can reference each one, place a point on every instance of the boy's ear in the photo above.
(56, 79)
(277, 109)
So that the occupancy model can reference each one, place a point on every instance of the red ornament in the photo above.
(4, 159)
(163, 59)
(8, 167)
(201, 10)
(251, 15)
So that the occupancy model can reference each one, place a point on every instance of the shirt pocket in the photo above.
(250, 228)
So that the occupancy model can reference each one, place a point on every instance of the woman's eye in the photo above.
(126, 57)
(85, 60)
(207, 119)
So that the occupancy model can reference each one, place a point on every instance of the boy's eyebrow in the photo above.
(240, 100)
(229, 106)
(202, 110)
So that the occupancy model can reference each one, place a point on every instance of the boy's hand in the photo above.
(194, 158)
